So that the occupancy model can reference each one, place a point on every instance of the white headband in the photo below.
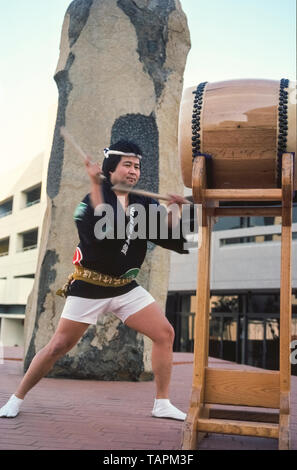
(108, 152)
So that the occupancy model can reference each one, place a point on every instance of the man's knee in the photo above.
(166, 334)
(58, 347)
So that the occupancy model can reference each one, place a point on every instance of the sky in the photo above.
(230, 39)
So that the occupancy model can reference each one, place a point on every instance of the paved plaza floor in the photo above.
(65, 414)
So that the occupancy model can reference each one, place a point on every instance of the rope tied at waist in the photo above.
(93, 277)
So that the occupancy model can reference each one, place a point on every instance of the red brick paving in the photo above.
(87, 414)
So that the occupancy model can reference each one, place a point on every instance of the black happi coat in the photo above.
(119, 254)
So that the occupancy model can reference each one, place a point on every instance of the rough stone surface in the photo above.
(120, 74)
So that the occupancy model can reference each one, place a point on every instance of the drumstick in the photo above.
(68, 138)
(126, 189)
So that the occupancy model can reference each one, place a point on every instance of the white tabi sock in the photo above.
(164, 409)
(11, 408)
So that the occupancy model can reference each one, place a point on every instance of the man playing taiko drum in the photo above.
(111, 265)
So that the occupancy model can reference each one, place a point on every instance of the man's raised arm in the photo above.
(94, 171)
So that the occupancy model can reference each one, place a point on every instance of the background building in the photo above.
(22, 206)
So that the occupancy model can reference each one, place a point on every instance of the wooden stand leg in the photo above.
(201, 333)
(285, 302)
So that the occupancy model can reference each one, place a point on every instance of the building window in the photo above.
(6, 207)
(28, 240)
(12, 309)
(273, 237)
(254, 239)
(4, 246)
(32, 196)
(227, 223)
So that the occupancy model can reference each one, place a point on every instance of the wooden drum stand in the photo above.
(240, 387)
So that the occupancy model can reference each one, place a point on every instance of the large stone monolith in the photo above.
(119, 75)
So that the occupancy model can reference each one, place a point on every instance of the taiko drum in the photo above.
(243, 127)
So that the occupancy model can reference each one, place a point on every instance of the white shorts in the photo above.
(88, 310)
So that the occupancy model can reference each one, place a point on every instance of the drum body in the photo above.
(243, 126)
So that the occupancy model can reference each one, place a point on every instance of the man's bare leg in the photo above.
(152, 322)
(65, 338)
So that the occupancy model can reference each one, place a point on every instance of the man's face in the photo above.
(127, 171)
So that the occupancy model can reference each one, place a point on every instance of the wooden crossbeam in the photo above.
(242, 428)
(243, 194)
